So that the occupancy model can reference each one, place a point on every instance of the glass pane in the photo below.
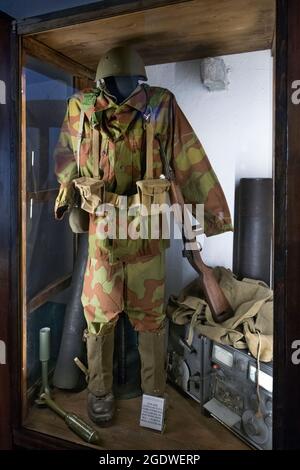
(47, 90)
(19, 9)
(49, 246)
(49, 243)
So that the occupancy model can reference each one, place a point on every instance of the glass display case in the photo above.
(58, 57)
(49, 246)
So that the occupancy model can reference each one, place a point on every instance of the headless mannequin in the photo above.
(121, 87)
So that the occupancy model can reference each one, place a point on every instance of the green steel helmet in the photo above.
(121, 62)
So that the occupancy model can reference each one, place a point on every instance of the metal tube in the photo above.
(45, 397)
(44, 344)
(44, 357)
(45, 383)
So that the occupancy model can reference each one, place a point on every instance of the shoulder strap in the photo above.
(149, 127)
(96, 152)
(79, 140)
(149, 142)
(95, 146)
(88, 103)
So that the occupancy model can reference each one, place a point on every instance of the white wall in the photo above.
(235, 128)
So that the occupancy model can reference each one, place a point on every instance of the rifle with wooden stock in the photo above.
(218, 304)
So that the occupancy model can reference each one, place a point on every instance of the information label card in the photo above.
(153, 412)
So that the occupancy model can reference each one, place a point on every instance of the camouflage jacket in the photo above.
(122, 153)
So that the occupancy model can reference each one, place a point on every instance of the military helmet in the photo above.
(120, 62)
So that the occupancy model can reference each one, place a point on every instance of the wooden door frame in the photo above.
(287, 228)
(286, 422)
(9, 233)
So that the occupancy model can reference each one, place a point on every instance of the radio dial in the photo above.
(255, 427)
(268, 405)
(241, 366)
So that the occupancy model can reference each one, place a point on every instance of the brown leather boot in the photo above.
(153, 361)
(100, 401)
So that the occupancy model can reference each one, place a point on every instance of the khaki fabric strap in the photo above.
(117, 200)
(149, 146)
(194, 320)
(79, 140)
(96, 150)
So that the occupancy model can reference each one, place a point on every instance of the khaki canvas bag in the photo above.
(252, 324)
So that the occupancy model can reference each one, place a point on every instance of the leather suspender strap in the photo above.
(149, 144)
(95, 146)
(96, 150)
(79, 140)
(149, 127)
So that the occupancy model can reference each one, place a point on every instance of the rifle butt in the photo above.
(220, 308)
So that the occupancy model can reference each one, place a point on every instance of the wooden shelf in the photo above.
(185, 428)
(170, 33)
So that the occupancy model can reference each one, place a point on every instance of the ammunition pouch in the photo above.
(153, 191)
(91, 191)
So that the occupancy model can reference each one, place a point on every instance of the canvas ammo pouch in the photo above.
(91, 191)
(78, 218)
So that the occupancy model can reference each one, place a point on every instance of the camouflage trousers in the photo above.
(135, 288)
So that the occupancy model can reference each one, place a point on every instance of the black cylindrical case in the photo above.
(253, 229)
(67, 375)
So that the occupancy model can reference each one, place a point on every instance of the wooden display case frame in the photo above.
(25, 37)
